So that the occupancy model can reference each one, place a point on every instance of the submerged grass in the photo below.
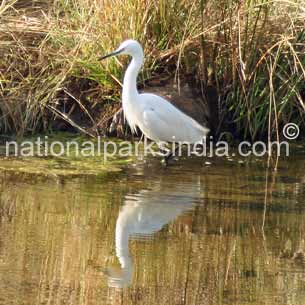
(251, 53)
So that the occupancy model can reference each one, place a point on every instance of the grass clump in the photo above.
(250, 53)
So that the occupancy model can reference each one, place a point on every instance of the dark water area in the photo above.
(229, 232)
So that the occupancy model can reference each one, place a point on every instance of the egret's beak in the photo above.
(114, 53)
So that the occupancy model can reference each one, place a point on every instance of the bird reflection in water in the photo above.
(145, 213)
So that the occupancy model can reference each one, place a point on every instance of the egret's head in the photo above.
(128, 47)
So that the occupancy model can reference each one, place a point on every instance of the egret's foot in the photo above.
(169, 159)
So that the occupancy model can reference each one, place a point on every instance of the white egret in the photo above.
(157, 118)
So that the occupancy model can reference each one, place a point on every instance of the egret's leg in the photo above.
(170, 155)
(167, 158)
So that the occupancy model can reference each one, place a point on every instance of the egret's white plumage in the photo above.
(157, 118)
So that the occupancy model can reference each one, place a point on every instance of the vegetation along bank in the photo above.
(237, 65)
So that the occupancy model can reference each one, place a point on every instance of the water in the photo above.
(227, 233)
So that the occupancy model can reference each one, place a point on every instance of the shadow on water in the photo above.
(229, 232)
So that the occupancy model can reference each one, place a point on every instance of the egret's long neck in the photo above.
(130, 78)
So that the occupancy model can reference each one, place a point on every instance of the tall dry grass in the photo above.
(250, 52)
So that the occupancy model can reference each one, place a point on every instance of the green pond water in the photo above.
(131, 231)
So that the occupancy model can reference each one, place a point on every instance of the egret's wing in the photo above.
(164, 122)
(156, 127)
